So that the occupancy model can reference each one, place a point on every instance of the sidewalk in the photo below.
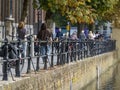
(24, 69)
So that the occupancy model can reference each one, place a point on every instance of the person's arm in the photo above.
(26, 34)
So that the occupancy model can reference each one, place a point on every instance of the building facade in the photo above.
(13, 9)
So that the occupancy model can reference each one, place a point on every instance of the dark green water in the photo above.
(110, 80)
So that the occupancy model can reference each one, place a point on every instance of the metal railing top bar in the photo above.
(56, 53)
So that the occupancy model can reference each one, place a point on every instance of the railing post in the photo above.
(29, 55)
(52, 55)
(72, 50)
(5, 62)
(17, 69)
(81, 51)
(58, 52)
(75, 51)
(68, 53)
(38, 57)
(61, 52)
(78, 48)
(45, 58)
(64, 53)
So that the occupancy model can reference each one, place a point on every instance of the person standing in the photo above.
(22, 32)
(44, 35)
(59, 34)
(91, 36)
(82, 36)
(74, 36)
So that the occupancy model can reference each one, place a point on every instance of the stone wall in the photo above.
(72, 76)
(116, 36)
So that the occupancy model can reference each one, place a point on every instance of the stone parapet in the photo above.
(72, 76)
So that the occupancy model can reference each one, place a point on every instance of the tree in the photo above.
(74, 10)
(24, 10)
(104, 9)
(115, 15)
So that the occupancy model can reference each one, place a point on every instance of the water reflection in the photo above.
(110, 80)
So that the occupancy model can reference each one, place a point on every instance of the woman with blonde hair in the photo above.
(21, 31)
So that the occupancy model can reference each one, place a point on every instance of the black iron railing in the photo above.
(60, 52)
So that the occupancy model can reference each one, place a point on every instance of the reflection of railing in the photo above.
(57, 53)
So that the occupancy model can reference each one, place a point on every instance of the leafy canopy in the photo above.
(78, 11)
(74, 10)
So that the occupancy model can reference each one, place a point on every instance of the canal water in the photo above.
(109, 80)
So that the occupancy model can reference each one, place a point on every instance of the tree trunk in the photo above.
(91, 27)
(49, 21)
(24, 10)
(80, 28)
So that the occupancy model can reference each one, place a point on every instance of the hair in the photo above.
(43, 26)
(21, 25)
(42, 34)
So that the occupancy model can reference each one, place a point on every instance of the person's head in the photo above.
(43, 26)
(97, 32)
(59, 29)
(90, 32)
(21, 25)
(82, 31)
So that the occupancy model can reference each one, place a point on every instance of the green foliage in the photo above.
(73, 10)
(102, 7)
(77, 11)
(60, 20)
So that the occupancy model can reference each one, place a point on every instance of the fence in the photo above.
(56, 53)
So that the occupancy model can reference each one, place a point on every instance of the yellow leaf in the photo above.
(89, 0)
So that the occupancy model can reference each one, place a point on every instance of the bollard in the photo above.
(5, 63)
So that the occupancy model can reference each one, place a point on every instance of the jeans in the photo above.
(43, 51)
(24, 48)
(48, 49)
